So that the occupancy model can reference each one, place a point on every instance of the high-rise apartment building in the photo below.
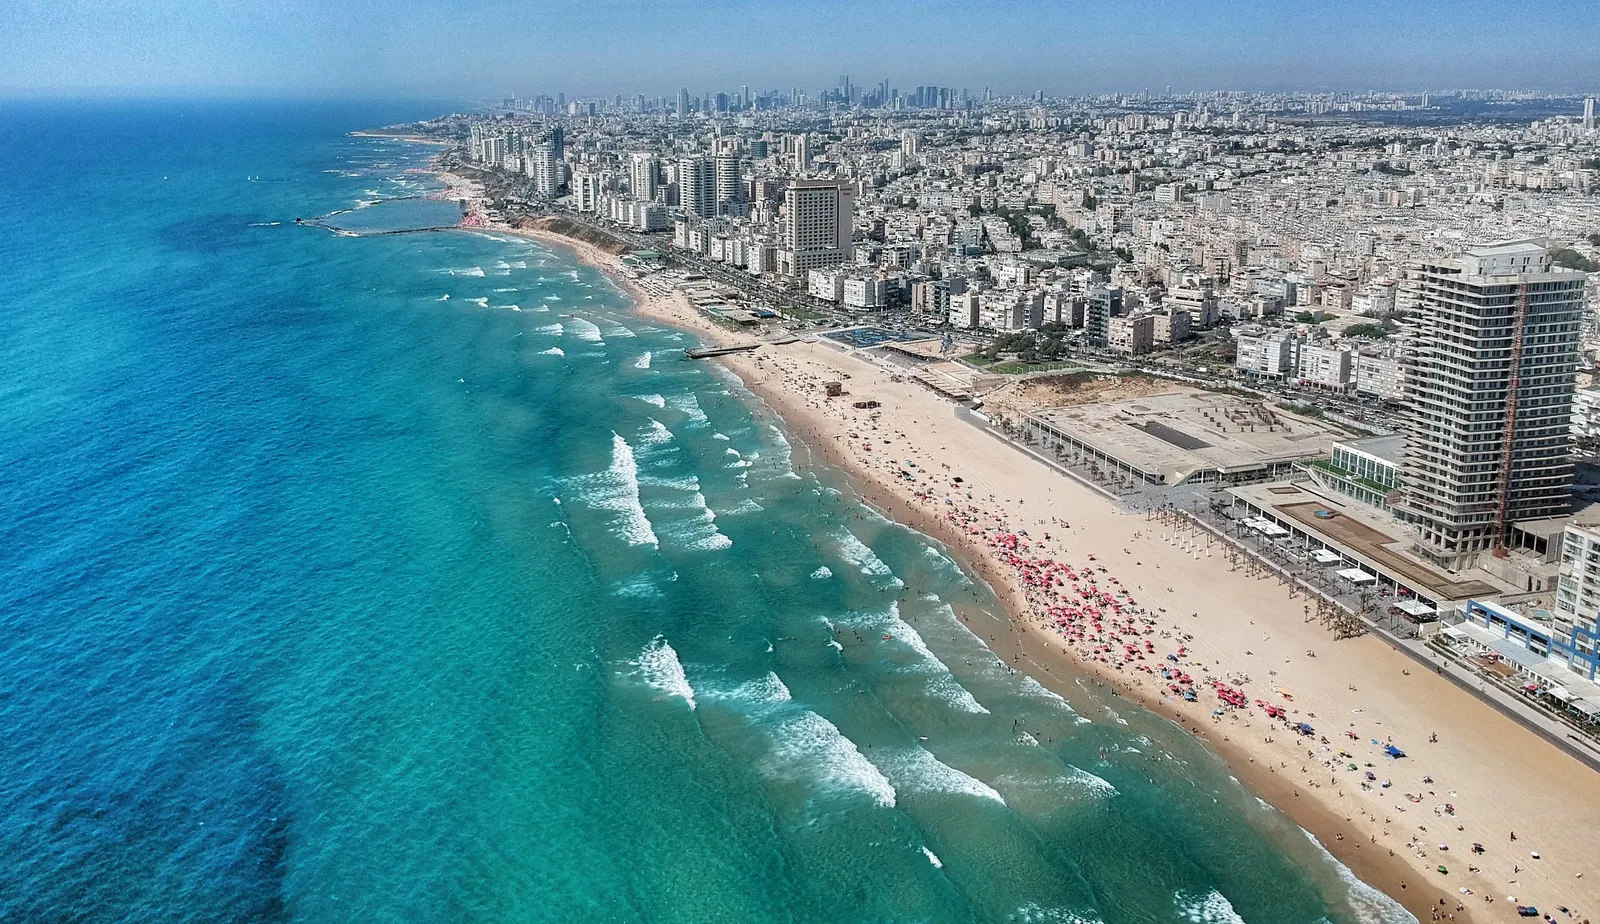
(586, 191)
(1588, 114)
(728, 188)
(817, 226)
(697, 186)
(802, 153)
(1103, 304)
(683, 102)
(643, 173)
(1489, 393)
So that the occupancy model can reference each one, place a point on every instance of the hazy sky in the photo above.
(492, 47)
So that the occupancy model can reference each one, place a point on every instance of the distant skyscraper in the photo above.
(697, 186)
(683, 102)
(1588, 115)
(817, 225)
(1489, 395)
(1425, 100)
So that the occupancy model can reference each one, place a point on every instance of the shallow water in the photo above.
(412, 578)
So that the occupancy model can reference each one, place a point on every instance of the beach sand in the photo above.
(1497, 776)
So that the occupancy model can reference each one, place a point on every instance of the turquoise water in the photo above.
(411, 578)
(397, 214)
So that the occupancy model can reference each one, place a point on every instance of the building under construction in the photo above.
(1489, 392)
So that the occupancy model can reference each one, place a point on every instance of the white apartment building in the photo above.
(1379, 372)
(826, 284)
(965, 308)
(1576, 618)
(1326, 366)
(865, 293)
(1267, 353)
(697, 186)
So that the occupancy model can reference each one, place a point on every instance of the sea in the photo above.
(412, 578)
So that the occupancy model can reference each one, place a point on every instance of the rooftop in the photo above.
(1183, 432)
(1377, 541)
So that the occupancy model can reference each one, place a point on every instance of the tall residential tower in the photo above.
(1489, 394)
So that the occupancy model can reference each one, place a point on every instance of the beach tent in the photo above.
(1393, 751)
(1357, 576)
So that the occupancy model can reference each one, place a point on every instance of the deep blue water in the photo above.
(326, 597)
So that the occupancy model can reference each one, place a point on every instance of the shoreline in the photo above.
(1400, 868)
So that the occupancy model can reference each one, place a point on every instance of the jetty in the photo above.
(708, 352)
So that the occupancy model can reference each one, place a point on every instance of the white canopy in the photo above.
(1325, 556)
(1357, 576)
(1415, 607)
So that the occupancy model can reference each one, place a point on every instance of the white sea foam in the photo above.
(584, 330)
(700, 531)
(743, 507)
(1369, 905)
(555, 329)
(660, 669)
(467, 271)
(1211, 908)
(1034, 688)
(617, 489)
(1033, 913)
(553, 351)
(658, 433)
(937, 863)
(916, 770)
(822, 573)
(730, 451)
(1081, 780)
(942, 683)
(689, 405)
(613, 329)
(643, 362)
(763, 691)
(642, 586)
(655, 400)
(808, 748)
(480, 302)
(505, 289)
(719, 436)
(857, 553)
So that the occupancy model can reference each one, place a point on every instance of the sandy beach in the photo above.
(1471, 776)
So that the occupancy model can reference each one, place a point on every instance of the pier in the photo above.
(709, 352)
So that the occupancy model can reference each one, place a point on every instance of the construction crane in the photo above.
(1508, 444)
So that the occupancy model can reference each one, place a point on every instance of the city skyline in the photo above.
(418, 47)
